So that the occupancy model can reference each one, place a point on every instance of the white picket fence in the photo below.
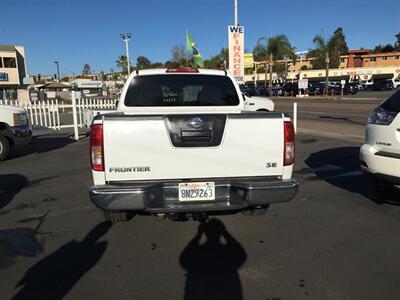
(45, 115)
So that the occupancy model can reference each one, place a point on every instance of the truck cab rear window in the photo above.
(392, 103)
(181, 90)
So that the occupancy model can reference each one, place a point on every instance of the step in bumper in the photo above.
(162, 197)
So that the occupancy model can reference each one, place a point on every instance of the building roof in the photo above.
(7, 48)
(54, 85)
(358, 51)
(382, 54)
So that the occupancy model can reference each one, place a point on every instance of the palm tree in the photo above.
(333, 47)
(121, 63)
(277, 47)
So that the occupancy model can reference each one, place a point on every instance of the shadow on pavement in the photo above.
(340, 167)
(55, 275)
(20, 242)
(212, 266)
(42, 144)
(10, 185)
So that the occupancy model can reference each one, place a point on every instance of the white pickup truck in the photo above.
(15, 130)
(183, 145)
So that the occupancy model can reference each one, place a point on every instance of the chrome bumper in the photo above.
(162, 197)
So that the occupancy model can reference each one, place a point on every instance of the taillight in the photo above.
(182, 70)
(289, 146)
(381, 116)
(96, 147)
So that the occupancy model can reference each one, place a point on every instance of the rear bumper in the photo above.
(162, 197)
(378, 162)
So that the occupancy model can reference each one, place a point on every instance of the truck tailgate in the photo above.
(167, 147)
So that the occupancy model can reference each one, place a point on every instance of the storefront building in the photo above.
(12, 71)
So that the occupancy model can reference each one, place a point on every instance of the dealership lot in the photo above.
(336, 240)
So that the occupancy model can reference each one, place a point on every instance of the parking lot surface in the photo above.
(335, 118)
(336, 240)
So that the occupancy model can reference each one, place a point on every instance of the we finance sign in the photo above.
(236, 51)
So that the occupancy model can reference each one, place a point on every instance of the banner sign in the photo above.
(236, 51)
(303, 84)
(248, 60)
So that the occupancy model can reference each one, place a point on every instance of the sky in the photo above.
(76, 32)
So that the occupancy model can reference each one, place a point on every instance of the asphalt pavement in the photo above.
(337, 239)
(340, 118)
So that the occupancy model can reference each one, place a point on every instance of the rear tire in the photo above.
(118, 217)
(255, 211)
(387, 191)
(381, 186)
(4, 148)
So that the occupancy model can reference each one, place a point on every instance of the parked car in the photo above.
(316, 88)
(291, 89)
(278, 91)
(249, 90)
(380, 155)
(366, 84)
(334, 88)
(382, 85)
(15, 129)
(396, 82)
(183, 145)
(353, 87)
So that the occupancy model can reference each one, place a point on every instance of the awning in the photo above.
(382, 76)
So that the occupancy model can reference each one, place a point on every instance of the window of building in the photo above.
(1, 63)
(397, 57)
(384, 57)
(342, 60)
(372, 59)
(9, 62)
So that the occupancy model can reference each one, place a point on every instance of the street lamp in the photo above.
(58, 70)
(126, 38)
(266, 64)
(327, 73)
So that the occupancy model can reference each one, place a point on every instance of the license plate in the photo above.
(196, 191)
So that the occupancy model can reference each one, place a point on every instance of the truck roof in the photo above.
(163, 71)
(183, 109)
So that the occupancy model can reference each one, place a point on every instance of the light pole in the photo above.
(271, 64)
(266, 64)
(126, 38)
(58, 70)
(327, 73)
(235, 5)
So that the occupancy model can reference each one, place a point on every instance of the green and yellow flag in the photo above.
(192, 48)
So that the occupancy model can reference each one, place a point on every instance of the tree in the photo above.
(142, 62)
(260, 52)
(121, 63)
(397, 43)
(180, 56)
(217, 61)
(277, 47)
(103, 75)
(157, 65)
(171, 64)
(338, 42)
(383, 48)
(86, 70)
(335, 46)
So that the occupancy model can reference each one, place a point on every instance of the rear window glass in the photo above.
(181, 90)
(392, 103)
